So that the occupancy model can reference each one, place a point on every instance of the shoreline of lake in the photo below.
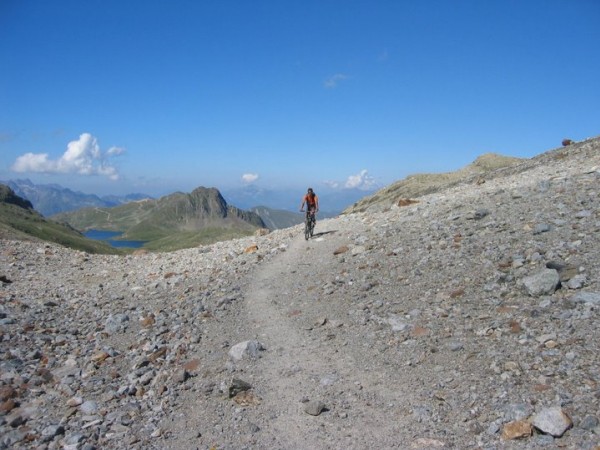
(110, 238)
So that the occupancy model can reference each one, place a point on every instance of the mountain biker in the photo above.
(312, 203)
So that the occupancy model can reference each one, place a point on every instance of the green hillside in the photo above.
(172, 222)
(18, 220)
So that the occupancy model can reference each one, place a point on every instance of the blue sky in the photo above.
(109, 96)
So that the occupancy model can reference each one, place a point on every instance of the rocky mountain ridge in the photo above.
(468, 319)
(49, 199)
(171, 222)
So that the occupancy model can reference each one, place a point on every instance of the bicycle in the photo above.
(309, 224)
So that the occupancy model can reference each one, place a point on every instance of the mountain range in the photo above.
(203, 216)
(171, 222)
(277, 207)
(49, 199)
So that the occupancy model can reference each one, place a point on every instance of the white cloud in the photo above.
(333, 81)
(249, 177)
(82, 157)
(115, 151)
(360, 181)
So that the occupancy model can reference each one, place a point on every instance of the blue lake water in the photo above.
(109, 238)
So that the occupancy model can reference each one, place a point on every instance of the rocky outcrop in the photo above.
(8, 196)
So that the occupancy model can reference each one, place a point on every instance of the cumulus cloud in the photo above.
(82, 157)
(361, 180)
(332, 184)
(333, 81)
(249, 177)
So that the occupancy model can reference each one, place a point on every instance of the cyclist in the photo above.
(312, 203)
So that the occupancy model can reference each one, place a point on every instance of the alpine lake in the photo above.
(111, 237)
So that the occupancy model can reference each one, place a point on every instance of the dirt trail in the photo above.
(314, 353)
(305, 360)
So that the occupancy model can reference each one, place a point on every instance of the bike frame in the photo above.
(309, 223)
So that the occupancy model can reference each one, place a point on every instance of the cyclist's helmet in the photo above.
(310, 190)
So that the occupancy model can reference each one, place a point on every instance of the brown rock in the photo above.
(157, 354)
(192, 365)
(406, 202)
(246, 398)
(340, 250)
(99, 357)
(419, 331)
(457, 293)
(517, 429)
(566, 142)
(7, 406)
(148, 321)
(7, 392)
(251, 249)
(515, 327)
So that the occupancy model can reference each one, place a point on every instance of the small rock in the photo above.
(517, 429)
(89, 407)
(246, 348)
(427, 443)
(542, 283)
(592, 298)
(589, 423)
(577, 282)
(51, 431)
(340, 250)
(314, 407)
(541, 228)
(236, 386)
(246, 398)
(181, 376)
(553, 421)
(74, 401)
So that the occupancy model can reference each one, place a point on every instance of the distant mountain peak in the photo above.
(50, 199)
(7, 195)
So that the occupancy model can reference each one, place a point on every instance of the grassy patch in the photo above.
(18, 223)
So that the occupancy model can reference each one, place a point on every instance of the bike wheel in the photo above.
(307, 228)
(312, 226)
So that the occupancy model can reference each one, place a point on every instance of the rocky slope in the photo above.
(466, 320)
(418, 185)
